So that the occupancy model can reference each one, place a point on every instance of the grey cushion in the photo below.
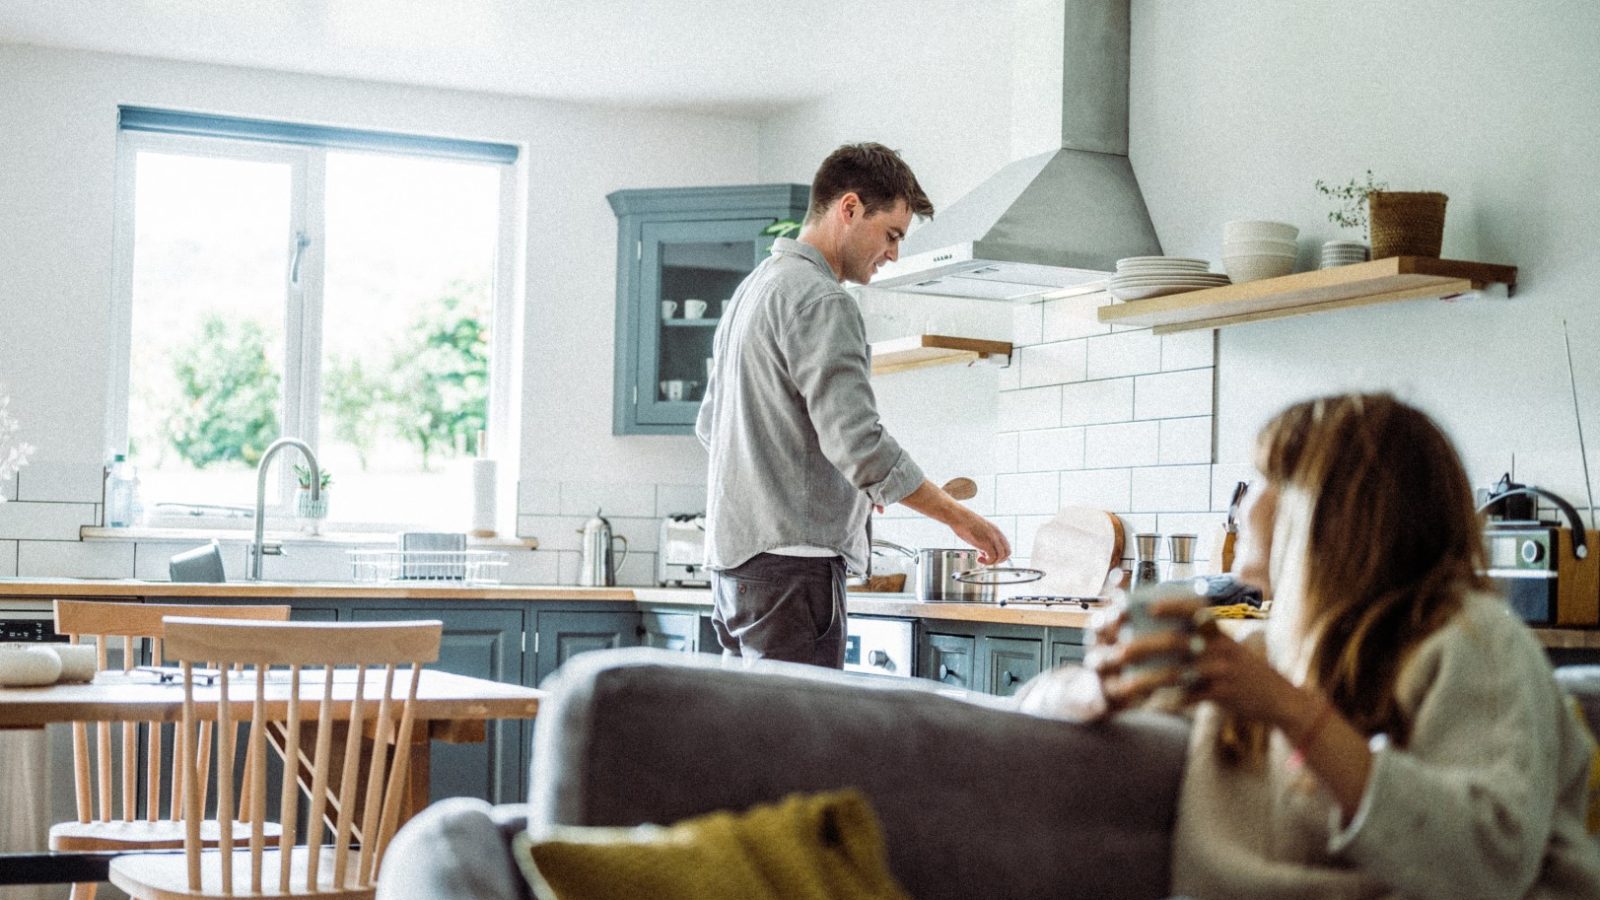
(454, 848)
(975, 800)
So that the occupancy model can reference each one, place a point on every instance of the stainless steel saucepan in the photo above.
(953, 575)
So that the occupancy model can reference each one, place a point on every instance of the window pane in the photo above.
(206, 358)
(407, 307)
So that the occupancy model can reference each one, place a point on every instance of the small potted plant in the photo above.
(312, 512)
(1400, 223)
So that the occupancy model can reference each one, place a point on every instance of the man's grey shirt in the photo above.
(798, 455)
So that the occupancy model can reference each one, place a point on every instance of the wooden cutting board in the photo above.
(1075, 550)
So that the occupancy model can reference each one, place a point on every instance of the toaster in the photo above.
(681, 554)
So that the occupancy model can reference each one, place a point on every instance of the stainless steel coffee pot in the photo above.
(598, 565)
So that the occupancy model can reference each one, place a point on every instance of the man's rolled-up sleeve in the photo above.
(825, 345)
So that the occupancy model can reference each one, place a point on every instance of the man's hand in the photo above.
(990, 541)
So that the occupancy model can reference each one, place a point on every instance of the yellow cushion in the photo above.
(806, 847)
(1592, 821)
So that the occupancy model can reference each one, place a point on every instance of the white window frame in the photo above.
(302, 385)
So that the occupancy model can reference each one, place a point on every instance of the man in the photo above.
(798, 455)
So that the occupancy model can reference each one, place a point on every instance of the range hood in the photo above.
(1056, 222)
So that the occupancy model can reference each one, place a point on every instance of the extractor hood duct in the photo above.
(1054, 221)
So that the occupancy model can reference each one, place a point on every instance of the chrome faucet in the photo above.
(258, 547)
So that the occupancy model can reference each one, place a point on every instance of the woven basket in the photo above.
(1406, 223)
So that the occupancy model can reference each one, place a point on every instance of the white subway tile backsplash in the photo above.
(1185, 440)
(672, 499)
(75, 559)
(1009, 378)
(150, 558)
(1136, 523)
(532, 567)
(582, 498)
(24, 520)
(1027, 324)
(538, 497)
(567, 563)
(1121, 355)
(1123, 444)
(1102, 488)
(1172, 395)
(1031, 408)
(1074, 317)
(1005, 452)
(637, 570)
(8, 488)
(1050, 449)
(1204, 525)
(8, 559)
(1029, 492)
(60, 482)
(1096, 402)
(553, 532)
(1171, 489)
(1055, 363)
(1188, 350)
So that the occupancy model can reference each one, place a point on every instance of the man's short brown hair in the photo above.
(875, 173)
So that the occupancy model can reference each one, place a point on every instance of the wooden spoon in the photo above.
(961, 488)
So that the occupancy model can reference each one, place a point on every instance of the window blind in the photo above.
(141, 118)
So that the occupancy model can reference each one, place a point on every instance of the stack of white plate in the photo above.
(1253, 249)
(1141, 277)
(1342, 253)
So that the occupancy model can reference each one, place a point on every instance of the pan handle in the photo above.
(1006, 575)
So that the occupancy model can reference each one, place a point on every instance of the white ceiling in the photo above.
(729, 56)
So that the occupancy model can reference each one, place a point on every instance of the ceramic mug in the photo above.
(694, 309)
(669, 308)
(1141, 621)
(673, 389)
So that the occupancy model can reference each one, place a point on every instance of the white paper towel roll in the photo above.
(483, 490)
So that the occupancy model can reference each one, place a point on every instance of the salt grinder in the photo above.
(1145, 569)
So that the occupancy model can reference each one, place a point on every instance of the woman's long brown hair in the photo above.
(1395, 542)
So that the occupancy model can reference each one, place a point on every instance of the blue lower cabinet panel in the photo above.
(563, 635)
(483, 643)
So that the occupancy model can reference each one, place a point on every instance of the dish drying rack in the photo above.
(465, 566)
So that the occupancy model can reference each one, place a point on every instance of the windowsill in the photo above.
(352, 538)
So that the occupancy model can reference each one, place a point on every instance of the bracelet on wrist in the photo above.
(1309, 735)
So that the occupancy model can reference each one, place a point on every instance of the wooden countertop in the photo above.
(896, 605)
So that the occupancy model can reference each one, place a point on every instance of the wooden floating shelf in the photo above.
(1359, 284)
(921, 350)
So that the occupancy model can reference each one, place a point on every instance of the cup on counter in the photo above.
(694, 309)
(669, 308)
(1145, 619)
(673, 389)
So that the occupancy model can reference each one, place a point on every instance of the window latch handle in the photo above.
(301, 242)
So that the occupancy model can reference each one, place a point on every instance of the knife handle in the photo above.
(1225, 543)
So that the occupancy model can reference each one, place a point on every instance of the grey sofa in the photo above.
(975, 800)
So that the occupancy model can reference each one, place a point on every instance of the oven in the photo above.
(879, 646)
(36, 782)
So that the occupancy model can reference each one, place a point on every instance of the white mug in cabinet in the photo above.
(694, 309)
(669, 308)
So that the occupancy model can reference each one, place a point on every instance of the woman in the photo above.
(1398, 731)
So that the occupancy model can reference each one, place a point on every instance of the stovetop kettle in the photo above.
(598, 565)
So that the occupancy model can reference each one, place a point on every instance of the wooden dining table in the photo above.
(449, 707)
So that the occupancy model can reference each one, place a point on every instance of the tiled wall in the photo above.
(1092, 415)
(555, 512)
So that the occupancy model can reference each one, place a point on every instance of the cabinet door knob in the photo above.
(946, 673)
(880, 659)
(1008, 679)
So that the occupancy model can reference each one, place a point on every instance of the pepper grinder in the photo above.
(1145, 568)
(1180, 553)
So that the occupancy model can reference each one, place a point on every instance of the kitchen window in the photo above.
(348, 288)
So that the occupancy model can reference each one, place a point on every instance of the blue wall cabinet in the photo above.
(674, 246)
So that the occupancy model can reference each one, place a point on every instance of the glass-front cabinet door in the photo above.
(682, 253)
(693, 268)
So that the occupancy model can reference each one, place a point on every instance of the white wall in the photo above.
(57, 157)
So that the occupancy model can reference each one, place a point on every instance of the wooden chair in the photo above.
(99, 781)
(364, 810)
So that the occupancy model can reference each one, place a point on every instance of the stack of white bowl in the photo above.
(1342, 253)
(1253, 250)
(1142, 277)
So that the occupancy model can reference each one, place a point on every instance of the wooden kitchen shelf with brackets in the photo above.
(1359, 284)
(920, 350)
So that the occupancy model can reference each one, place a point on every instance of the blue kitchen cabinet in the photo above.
(561, 635)
(676, 245)
(483, 642)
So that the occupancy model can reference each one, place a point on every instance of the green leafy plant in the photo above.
(1351, 198)
(228, 395)
(781, 228)
(302, 474)
(439, 386)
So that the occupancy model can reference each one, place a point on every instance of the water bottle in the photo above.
(119, 492)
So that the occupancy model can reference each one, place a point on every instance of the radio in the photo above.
(1536, 566)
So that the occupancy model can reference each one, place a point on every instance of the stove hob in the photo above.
(1049, 600)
